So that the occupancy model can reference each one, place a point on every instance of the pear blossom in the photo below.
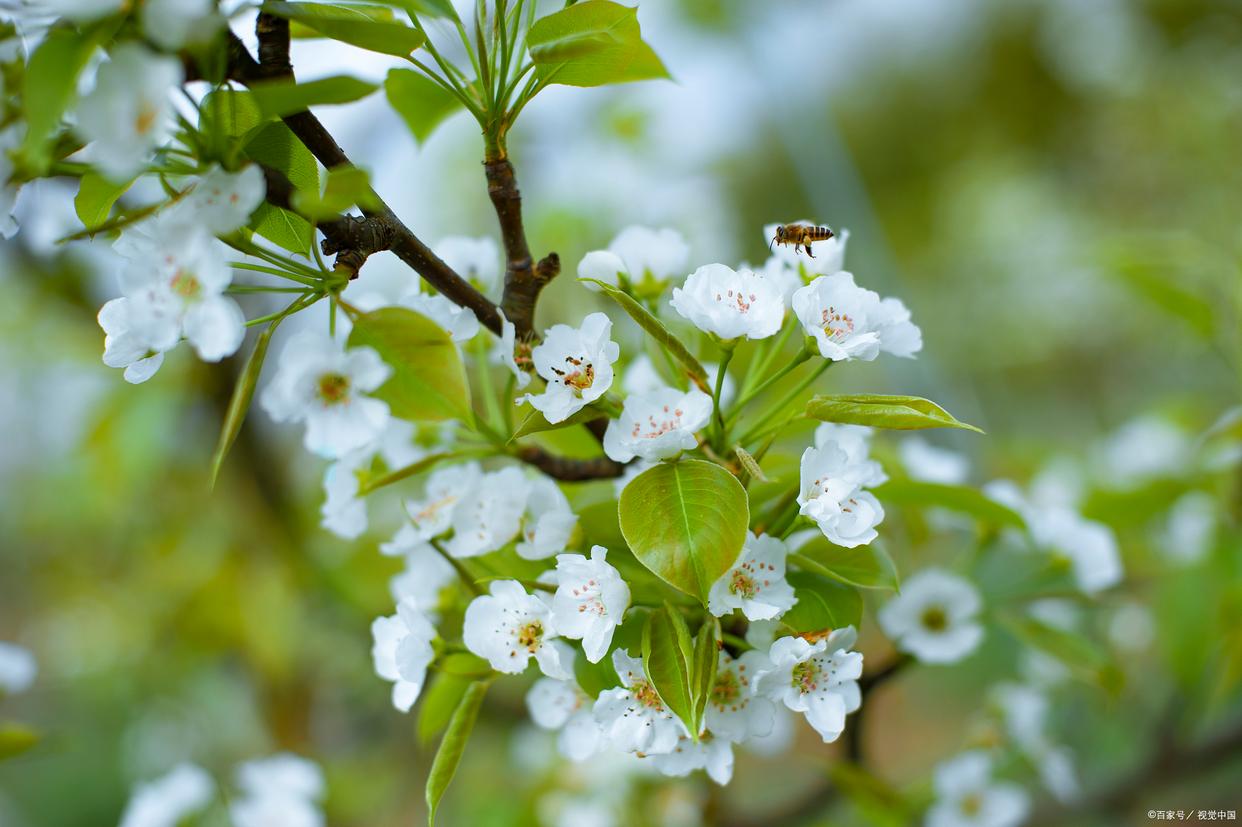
(1024, 711)
(433, 514)
(508, 626)
(280, 790)
(17, 668)
(1146, 448)
(834, 475)
(829, 254)
(966, 796)
(425, 575)
(714, 755)
(1190, 527)
(1132, 628)
(755, 583)
(562, 705)
(818, 679)
(577, 364)
(632, 716)
(730, 304)
(175, 24)
(320, 382)
(642, 377)
(632, 470)
(168, 800)
(929, 463)
(221, 202)
(489, 515)
(657, 425)
(1089, 547)
(477, 260)
(10, 140)
(734, 712)
(506, 352)
(548, 522)
(129, 112)
(124, 346)
(402, 651)
(460, 322)
(850, 322)
(590, 600)
(935, 617)
(637, 257)
(343, 512)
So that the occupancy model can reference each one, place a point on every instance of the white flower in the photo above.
(548, 522)
(833, 476)
(632, 470)
(433, 515)
(10, 141)
(929, 463)
(1024, 712)
(657, 425)
(734, 711)
(124, 347)
(851, 322)
(829, 255)
(402, 651)
(1146, 448)
(590, 601)
(561, 705)
(344, 513)
(577, 364)
(819, 679)
(632, 716)
(17, 668)
(128, 113)
(1132, 627)
(460, 322)
(935, 617)
(967, 797)
(641, 376)
(1090, 547)
(169, 799)
(508, 627)
(755, 583)
(489, 515)
(715, 755)
(220, 201)
(279, 791)
(477, 260)
(321, 383)
(1191, 527)
(505, 352)
(425, 575)
(174, 24)
(635, 256)
(729, 303)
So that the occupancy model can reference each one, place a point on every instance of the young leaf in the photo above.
(703, 673)
(668, 660)
(592, 44)
(686, 522)
(960, 498)
(421, 103)
(429, 380)
(50, 86)
(353, 26)
(441, 697)
(535, 422)
(239, 403)
(277, 98)
(282, 227)
(95, 198)
(346, 187)
(823, 604)
(903, 413)
(868, 567)
(657, 331)
(453, 745)
(594, 678)
(430, 8)
(276, 146)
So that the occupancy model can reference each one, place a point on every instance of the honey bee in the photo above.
(801, 235)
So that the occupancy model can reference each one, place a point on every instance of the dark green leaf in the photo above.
(868, 567)
(960, 498)
(668, 660)
(95, 198)
(239, 403)
(903, 413)
(357, 26)
(277, 98)
(429, 380)
(453, 745)
(823, 604)
(686, 522)
(422, 103)
(658, 332)
(15, 739)
(591, 44)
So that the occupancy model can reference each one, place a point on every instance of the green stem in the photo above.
(298, 304)
(760, 429)
(718, 417)
(769, 350)
(785, 370)
(463, 573)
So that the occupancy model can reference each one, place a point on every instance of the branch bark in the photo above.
(523, 279)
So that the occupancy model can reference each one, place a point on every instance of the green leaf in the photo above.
(95, 198)
(902, 413)
(421, 103)
(823, 604)
(592, 44)
(703, 671)
(284, 228)
(277, 98)
(868, 567)
(228, 113)
(16, 739)
(50, 87)
(354, 26)
(441, 697)
(657, 331)
(1082, 656)
(453, 745)
(960, 498)
(668, 660)
(430, 8)
(239, 402)
(594, 678)
(346, 187)
(429, 380)
(535, 422)
(686, 522)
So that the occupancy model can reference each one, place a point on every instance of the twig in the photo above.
(523, 279)
(568, 469)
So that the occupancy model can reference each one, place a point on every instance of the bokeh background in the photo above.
(1052, 186)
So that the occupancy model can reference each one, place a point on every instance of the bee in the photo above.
(801, 235)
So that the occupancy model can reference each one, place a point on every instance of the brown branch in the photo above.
(568, 469)
(523, 279)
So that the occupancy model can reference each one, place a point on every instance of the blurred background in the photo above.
(1051, 186)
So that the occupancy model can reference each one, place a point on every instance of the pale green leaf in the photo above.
(901, 413)
(823, 604)
(591, 44)
(448, 756)
(239, 402)
(357, 26)
(668, 660)
(346, 187)
(421, 103)
(869, 567)
(960, 498)
(95, 198)
(277, 98)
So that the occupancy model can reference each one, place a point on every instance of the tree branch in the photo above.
(568, 469)
(523, 279)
